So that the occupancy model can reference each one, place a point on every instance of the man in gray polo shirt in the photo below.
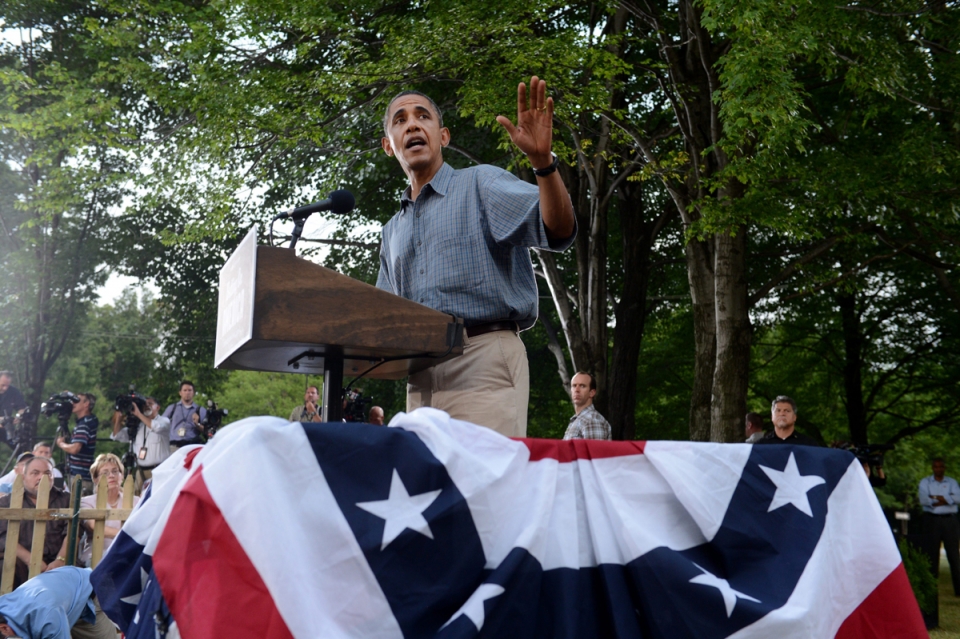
(460, 244)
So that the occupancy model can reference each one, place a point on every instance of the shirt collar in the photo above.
(581, 413)
(440, 183)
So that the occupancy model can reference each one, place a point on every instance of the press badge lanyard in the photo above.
(182, 431)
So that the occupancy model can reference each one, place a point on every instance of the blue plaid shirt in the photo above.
(463, 246)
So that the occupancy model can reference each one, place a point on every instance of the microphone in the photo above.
(340, 201)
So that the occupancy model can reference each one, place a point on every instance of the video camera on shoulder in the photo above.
(354, 409)
(60, 404)
(214, 419)
(13, 428)
(870, 454)
(125, 403)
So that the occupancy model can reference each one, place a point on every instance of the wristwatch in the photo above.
(547, 170)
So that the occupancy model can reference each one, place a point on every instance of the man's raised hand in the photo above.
(534, 131)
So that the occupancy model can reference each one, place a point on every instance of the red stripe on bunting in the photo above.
(574, 449)
(200, 565)
(889, 611)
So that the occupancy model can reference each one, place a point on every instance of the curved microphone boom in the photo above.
(340, 201)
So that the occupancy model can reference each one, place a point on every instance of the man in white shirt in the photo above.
(151, 445)
(939, 496)
(6, 482)
(753, 428)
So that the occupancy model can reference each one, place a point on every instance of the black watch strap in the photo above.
(547, 170)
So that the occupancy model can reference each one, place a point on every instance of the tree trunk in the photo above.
(638, 235)
(700, 278)
(852, 368)
(730, 375)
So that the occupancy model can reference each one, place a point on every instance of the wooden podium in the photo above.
(278, 312)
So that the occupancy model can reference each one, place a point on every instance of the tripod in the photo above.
(131, 462)
(63, 418)
(17, 449)
(17, 442)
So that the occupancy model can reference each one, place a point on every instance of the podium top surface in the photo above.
(298, 313)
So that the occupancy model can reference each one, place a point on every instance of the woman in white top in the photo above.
(109, 465)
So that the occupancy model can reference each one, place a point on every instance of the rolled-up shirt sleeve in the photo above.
(160, 424)
(512, 207)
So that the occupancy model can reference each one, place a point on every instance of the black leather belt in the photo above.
(180, 443)
(490, 327)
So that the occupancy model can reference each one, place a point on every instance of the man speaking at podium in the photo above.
(459, 244)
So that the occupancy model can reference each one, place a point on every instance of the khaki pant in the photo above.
(141, 477)
(103, 629)
(488, 385)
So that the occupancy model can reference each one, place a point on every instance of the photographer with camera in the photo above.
(82, 447)
(11, 403)
(151, 439)
(185, 418)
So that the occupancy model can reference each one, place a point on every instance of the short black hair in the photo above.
(783, 399)
(755, 420)
(187, 382)
(386, 113)
(938, 459)
(593, 380)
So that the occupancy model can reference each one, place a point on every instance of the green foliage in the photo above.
(666, 375)
(149, 136)
(550, 406)
(829, 108)
(922, 581)
(64, 163)
(116, 347)
(249, 393)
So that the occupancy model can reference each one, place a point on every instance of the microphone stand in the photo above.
(297, 232)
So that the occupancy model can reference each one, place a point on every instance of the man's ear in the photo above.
(387, 147)
(444, 136)
(593, 393)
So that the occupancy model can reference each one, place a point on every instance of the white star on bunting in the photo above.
(473, 608)
(134, 600)
(401, 510)
(792, 487)
(729, 595)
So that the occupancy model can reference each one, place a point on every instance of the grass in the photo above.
(949, 607)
